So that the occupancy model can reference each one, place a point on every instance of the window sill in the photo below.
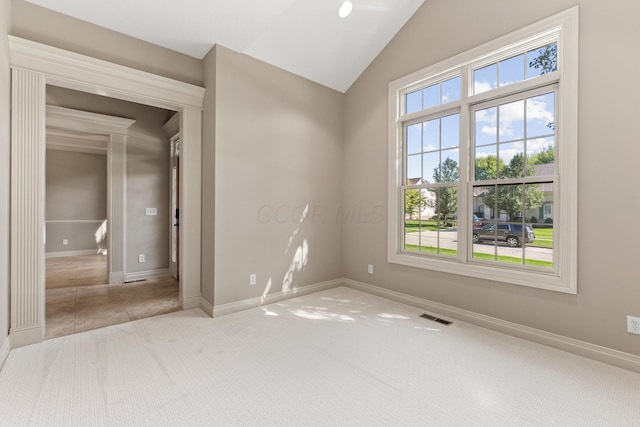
(549, 281)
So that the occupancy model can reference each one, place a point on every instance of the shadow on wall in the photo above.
(299, 260)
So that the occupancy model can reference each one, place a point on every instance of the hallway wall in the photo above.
(76, 190)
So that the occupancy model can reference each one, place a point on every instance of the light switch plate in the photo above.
(151, 211)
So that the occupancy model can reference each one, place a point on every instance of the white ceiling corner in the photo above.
(305, 37)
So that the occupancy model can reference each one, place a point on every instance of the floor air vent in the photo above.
(435, 319)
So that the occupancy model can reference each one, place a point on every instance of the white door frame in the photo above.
(35, 65)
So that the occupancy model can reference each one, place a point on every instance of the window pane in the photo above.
(446, 203)
(413, 102)
(511, 70)
(541, 115)
(543, 60)
(450, 171)
(486, 128)
(539, 214)
(431, 171)
(484, 232)
(414, 203)
(451, 90)
(431, 96)
(541, 157)
(414, 169)
(484, 79)
(431, 131)
(511, 160)
(420, 224)
(510, 201)
(414, 138)
(450, 131)
(511, 121)
(486, 165)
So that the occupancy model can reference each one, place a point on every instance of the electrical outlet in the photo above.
(151, 211)
(370, 268)
(65, 242)
(141, 258)
(252, 279)
(633, 325)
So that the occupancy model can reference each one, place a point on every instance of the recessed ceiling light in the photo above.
(345, 9)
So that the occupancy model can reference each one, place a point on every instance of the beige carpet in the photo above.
(335, 358)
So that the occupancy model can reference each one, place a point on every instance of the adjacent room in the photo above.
(318, 212)
(85, 288)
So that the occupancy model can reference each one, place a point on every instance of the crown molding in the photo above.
(83, 121)
(79, 72)
(68, 141)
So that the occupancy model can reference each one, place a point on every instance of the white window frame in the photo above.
(561, 28)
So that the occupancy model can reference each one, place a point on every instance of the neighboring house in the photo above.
(429, 209)
(540, 213)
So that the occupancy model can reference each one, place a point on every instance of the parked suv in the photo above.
(511, 234)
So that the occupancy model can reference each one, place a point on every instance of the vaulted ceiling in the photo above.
(305, 37)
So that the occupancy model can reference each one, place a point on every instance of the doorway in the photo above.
(132, 157)
(35, 65)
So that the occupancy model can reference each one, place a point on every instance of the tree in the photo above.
(414, 202)
(487, 168)
(547, 59)
(446, 197)
(514, 199)
(547, 155)
(546, 62)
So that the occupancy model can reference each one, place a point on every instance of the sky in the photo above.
(500, 130)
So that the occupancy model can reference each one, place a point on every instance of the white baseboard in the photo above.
(116, 277)
(206, 307)
(189, 303)
(236, 306)
(4, 352)
(58, 254)
(25, 336)
(149, 274)
(571, 345)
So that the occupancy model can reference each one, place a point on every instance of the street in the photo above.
(449, 239)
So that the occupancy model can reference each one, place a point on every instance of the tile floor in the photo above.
(63, 272)
(82, 305)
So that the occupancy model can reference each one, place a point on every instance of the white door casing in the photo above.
(36, 65)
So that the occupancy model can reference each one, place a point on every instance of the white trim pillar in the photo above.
(190, 206)
(28, 144)
(116, 227)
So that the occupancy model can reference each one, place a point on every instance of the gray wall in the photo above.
(278, 149)
(5, 120)
(147, 173)
(55, 29)
(607, 279)
(76, 189)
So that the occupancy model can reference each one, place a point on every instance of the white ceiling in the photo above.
(305, 37)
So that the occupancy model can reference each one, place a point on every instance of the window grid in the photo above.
(529, 143)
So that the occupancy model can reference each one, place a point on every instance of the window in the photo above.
(483, 160)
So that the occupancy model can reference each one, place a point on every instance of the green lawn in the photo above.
(478, 255)
(544, 237)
